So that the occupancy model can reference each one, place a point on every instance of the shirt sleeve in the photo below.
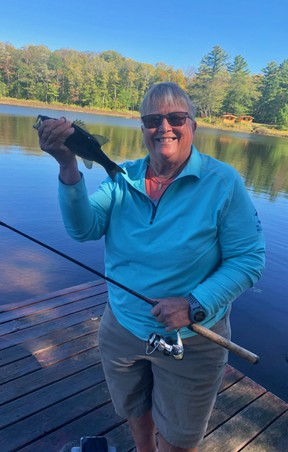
(84, 217)
(242, 252)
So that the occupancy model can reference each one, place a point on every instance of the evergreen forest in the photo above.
(109, 81)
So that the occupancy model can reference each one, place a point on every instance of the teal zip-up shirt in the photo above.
(203, 237)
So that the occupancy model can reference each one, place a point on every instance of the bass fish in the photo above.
(87, 146)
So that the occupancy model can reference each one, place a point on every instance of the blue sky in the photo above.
(176, 32)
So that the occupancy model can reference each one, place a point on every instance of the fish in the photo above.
(87, 146)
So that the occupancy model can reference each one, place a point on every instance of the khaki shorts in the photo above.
(181, 393)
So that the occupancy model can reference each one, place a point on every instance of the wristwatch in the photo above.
(197, 312)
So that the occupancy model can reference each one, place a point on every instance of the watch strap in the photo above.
(197, 312)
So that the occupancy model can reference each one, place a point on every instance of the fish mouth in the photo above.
(37, 123)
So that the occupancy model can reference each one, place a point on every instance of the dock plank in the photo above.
(46, 357)
(242, 428)
(45, 315)
(47, 376)
(57, 320)
(273, 438)
(56, 416)
(57, 392)
(232, 400)
(14, 353)
(51, 303)
(53, 390)
(4, 308)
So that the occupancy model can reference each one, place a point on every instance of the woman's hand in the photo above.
(173, 312)
(52, 135)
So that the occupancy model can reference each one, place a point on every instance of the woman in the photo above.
(179, 228)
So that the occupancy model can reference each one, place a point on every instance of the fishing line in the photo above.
(199, 329)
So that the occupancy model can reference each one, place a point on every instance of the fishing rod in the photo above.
(75, 261)
(197, 328)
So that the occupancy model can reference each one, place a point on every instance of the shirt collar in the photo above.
(192, 168)
(136, 174)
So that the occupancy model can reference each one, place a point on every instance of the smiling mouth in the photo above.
(166, 140)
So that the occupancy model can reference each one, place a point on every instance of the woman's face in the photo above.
(166, 142)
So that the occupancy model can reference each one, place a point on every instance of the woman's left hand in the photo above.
(173, 312)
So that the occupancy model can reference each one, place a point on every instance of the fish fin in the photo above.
(80, 124)
(100, 139)
(87, 163)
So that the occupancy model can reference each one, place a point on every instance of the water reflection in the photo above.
(262, 161)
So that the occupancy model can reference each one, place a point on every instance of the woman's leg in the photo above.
(163, 446)
(143, 432)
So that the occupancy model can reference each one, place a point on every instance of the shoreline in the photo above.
(135, 115)
(64, 107)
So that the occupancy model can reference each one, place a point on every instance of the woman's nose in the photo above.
(164, 126)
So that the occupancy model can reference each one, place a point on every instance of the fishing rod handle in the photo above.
(231, 346)
(214, 337)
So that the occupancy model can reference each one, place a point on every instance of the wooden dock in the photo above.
(53, 391)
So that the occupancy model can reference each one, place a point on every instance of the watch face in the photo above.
(199, 316)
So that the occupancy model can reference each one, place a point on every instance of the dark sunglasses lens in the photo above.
(176, 119)
(152, 121)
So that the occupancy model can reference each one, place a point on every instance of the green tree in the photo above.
(208, 87)
(101, 79)
(114, 62)
(241, 91)
(145, 78)
(214, 62)
(3, 89)
(128, 87)
(282, 119)
(109, 80)
(268, 89)
(273, 92)
(7, 52)
(283, 95)
(33, 72)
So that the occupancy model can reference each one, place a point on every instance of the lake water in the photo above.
(28, 188)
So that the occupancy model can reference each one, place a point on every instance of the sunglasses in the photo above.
(175, 119)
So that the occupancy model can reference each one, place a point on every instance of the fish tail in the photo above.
(114, 170)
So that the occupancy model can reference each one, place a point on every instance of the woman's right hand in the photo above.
(52, 136)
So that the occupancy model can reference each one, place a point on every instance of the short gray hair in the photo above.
(166, 93)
